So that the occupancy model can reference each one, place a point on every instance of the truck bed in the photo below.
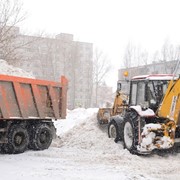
(26, 98)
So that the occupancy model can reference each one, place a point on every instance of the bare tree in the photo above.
(144, 57)
(102, 67)
(155, 57)
(164, 51)
(11, 15)
(128, 56)
(140, 56)
(137, 57)
(168, 53)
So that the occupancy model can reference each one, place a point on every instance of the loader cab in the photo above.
(148, 91)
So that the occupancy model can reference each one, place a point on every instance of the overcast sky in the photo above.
(108, 24)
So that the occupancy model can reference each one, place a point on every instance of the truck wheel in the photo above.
(130, 132)
(113, 131)
(53, 130)
(18, 140)
(41, 137)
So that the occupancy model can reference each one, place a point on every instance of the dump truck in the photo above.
(27, 110)
(152, 115)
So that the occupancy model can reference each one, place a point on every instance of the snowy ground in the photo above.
(83, 151)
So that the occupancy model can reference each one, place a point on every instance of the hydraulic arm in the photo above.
(170, 106)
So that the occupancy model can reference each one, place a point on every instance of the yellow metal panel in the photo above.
(170, 105)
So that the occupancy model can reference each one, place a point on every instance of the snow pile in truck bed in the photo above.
(7, 69)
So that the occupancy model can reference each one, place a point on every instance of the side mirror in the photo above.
(118, 86)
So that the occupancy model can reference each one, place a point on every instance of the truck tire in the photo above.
(18, 140)
(41, 137)
(113, 131)
(53, 130)
(131, 131)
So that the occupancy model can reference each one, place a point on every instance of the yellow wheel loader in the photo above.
(152, 118)
(104, 114)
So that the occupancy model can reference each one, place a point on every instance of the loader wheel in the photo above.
(129, 139)
(18, 140)
(113, 131)
(130, 131)
(41, 137)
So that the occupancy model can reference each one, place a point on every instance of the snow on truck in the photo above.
(27, 110)
(151, 117)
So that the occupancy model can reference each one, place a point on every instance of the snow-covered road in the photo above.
(83, 151)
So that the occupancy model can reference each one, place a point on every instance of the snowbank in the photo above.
(81, 130)
(7, 69)
(89, 144)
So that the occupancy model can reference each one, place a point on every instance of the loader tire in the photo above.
(18, 140)
(41, 137)
(130, 132)
(113, 131)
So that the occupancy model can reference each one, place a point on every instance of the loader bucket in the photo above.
(103, 115)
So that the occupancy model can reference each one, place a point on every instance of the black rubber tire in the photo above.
(53, 130)
(131, 131)
(41, 137)
(2, 149)
(113, 131)
(18, 140)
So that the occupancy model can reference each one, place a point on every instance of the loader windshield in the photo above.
(159, 88)
(147, 92)
(137, 93)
